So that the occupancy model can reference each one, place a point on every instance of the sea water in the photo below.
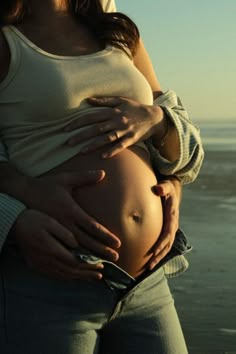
(218, 136)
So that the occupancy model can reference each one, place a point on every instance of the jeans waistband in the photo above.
(117, 278)
(113, 275)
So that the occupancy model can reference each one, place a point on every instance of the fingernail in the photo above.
(152, 265)
(118, 244)
(100, 266)
(114, 256)
(99, 276)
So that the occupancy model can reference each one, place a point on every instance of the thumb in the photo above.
(162, 189)
(105, 101)
(85, 178)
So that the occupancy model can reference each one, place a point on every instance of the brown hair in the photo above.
(110, 28)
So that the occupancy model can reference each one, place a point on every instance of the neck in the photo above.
(46, 10)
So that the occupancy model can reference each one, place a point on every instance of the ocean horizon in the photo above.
(218, 135)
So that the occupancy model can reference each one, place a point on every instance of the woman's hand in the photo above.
(124, 124)
(170, 191)
(53, 195)
(46, 246)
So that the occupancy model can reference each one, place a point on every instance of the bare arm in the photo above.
(169, 150)
(181, 153)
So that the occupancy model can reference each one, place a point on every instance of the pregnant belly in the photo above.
(123, 202)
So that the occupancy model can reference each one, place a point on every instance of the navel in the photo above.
(137, 217)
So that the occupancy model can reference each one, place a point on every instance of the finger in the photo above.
(163, 243)
(163, 188)
(62, 234)
(82, 178)
(64, 276)
(84, 135)
(113, 124)
(56, 250)
(105, 139)
(89, 119)
(90, 226)
(171, 223)
(120, 146)
(96, 247)
(106, 101)
(156, 259)
(167, 236)
(61, 271)
(94, 131)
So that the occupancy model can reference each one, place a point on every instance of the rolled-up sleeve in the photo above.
(188, 165)
(10, 208)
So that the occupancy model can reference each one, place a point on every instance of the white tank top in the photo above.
(44, 92)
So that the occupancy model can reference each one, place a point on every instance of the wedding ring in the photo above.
(116, 135)
(113, 136)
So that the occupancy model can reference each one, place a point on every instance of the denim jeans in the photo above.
(43, 316)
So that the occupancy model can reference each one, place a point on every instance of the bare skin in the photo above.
(55, 10)
(135, 218)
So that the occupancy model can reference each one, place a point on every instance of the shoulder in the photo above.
(108, 5)
(4, 56)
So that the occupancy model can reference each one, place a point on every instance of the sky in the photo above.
(192, 45)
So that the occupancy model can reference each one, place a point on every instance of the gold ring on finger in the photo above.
(116, 135)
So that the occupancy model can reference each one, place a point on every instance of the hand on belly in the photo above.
(125, 204)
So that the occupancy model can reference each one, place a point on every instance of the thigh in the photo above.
(145, 321)
(47, 316)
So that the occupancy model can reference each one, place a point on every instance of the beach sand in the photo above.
(205, 295)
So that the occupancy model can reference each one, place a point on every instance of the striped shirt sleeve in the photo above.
(187, 166)
(10, 209)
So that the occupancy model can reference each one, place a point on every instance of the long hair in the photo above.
(115, 29)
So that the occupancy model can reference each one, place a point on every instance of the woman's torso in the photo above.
(124, 201)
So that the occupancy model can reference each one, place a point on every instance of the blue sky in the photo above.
(192, 44)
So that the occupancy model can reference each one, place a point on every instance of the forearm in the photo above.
(14, 183)
(165, 138)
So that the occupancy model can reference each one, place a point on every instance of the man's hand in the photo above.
(46, 246)
(52, 195)
(170, 191)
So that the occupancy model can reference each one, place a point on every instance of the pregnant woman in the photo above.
(51, 126)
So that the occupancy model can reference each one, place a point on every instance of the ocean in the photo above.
(205, 295)
(218, 136)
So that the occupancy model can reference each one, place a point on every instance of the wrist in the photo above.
(161, 127)
(177, 186)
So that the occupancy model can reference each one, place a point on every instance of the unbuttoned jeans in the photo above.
(39, 315)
